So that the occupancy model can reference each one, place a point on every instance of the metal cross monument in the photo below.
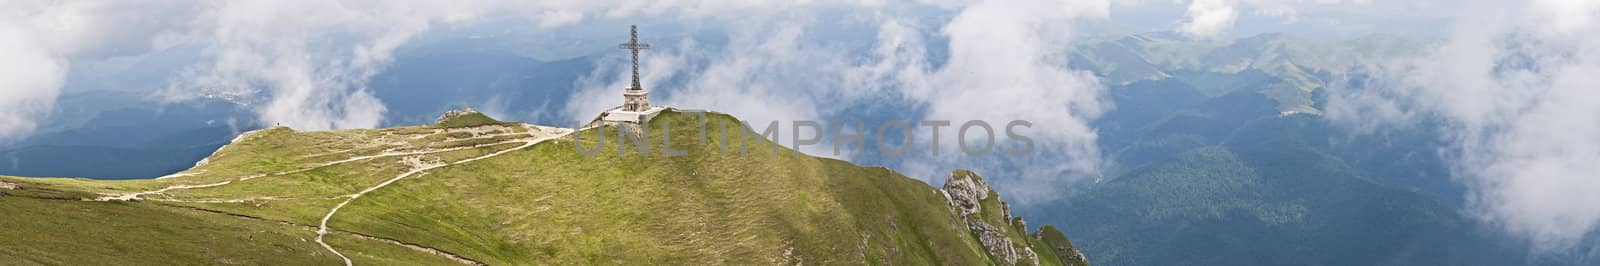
(634, 45)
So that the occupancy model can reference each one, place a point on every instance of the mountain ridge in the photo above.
(475, 195)
(1289, 69)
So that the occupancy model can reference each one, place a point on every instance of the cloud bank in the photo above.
(32, 80)
(1212, 18)
(298, 63)
(40, 39)
(305, 64)
(1004, 64)
(1209, 17)
(1515, 87)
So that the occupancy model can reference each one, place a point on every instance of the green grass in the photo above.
(57, 232)
(550, 204)
(365, 252)
(471, 119)
(306, 212)
(1060, 245)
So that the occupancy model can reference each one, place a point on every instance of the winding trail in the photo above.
(533, 131)
(423, 249)
(137, 195)
(536, 134)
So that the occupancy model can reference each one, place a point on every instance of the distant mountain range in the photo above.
(1220, 157)
(1217, 149)
(123, 135)
(1287, 69)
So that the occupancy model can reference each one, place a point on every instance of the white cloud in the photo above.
(39, 39)
(306, 63)
(1515, 86)
(309, 72)
(1212, 18)
(767, 72)
(32, 78)
(300, 63)
(1209, 18)
(1003, 65)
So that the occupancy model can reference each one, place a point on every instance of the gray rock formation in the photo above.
(1027, 253)
(966, 193)
(452, 114)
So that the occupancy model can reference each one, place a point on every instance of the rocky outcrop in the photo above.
(967, 193)
(453, 114)
(1055, 240)
(10, 186)
(464, 118)
(994, 240)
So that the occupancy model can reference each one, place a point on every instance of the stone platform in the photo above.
(618, 115)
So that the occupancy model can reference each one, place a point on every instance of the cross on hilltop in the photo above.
(635, 99)
(634, 46)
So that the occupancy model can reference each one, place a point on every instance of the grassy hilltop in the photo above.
(485, 192)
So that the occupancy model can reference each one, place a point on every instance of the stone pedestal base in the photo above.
(620, 115)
